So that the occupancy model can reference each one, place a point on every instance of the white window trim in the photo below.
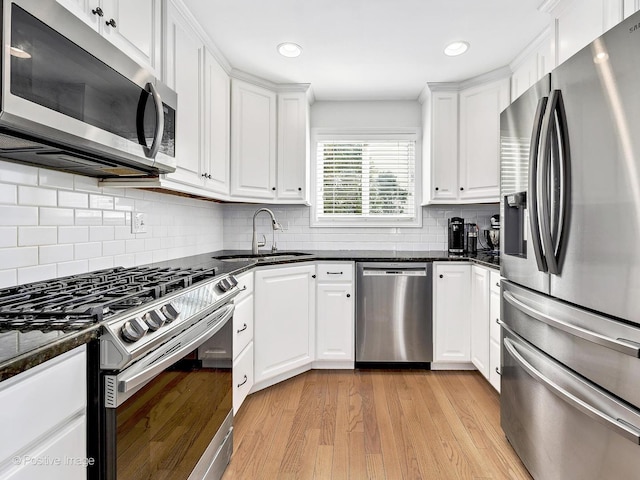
(322, 134)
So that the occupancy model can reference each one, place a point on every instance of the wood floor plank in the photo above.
(373, 424)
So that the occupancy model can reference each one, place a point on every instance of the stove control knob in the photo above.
(170, 312)
(134, 329)
(227, 283)
(154, 319)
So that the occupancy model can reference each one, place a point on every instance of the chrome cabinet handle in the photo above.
(98, 11)
(335, 273)
(624, 429)
(243, 381)
(498, 371)
(617, 344)
(111, 23)
(244, 327)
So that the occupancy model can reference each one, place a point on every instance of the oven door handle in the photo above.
(140, 373)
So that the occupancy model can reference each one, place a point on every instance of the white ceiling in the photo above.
(369, 49)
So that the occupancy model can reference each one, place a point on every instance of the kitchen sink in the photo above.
(263, 257)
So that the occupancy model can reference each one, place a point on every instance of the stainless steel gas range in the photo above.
(161, 371)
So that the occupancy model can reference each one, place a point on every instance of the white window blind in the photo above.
(366, 179)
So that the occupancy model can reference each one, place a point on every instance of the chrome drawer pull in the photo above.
(243, 381)
(244, 327)
(335, 273)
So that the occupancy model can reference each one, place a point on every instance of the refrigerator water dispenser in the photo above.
(515, 218)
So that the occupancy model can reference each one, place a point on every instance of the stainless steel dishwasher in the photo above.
(394, 314)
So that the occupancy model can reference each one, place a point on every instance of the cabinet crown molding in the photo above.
(498, 74)
(544, 35)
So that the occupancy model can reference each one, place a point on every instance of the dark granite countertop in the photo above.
(21, 350)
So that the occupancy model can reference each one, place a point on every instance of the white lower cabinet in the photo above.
(335, 316)
(494, 330)
(243, 340)
(48, 441)
(451, 315)
(480, 319)
(284, 323)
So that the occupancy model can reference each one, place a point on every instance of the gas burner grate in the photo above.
(98, 294)
(12, 322)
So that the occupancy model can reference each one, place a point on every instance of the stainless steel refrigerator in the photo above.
(570, 185)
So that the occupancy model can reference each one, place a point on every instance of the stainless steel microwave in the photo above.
(72, 101)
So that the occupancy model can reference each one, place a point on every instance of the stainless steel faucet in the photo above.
(275, 226)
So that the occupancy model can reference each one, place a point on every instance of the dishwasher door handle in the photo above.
(395, 273)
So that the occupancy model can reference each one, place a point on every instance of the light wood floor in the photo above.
(372, 424)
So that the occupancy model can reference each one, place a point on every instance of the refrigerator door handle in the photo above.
(564, 162)
(622, 428)
(534, 157)
(619, 345)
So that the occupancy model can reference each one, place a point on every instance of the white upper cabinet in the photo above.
(480, 107)
(440, 116)
(253, 141)
(293, 142)
(217, 120)
(631, 7)
(184, 57)
(132, 25)
(532, 64)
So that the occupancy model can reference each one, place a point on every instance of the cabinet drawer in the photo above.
(242, 376)
(494, 315)
(245, 284)
(335, 271)
(242, 324)
(494, 364)
(46, 396)
(494, 282)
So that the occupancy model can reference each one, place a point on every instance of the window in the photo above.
(366, 180)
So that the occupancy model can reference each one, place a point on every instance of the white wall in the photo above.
(365, 114)
(54, 224)
(238, 229)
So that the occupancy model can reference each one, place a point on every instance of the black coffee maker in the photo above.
(456, 235)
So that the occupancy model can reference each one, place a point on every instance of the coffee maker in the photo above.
(456, 235)
(492, 235)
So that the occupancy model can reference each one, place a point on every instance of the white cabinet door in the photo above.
(480, 109)
(451, 309)
(89, 11)
(217, 98)
(631, 7)
(443, 154)
(253, 141)
(293, 151)
(284, 318)
(480, 319)
(335, 323)
(134, 27)
(494, 364)
(494, 330)
(242, 376)
(579, 23)
(184, 63)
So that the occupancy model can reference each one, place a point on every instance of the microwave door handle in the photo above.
(152, 151)
(534, 157)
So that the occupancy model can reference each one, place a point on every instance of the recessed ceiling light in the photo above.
(289, 49)
(456, 48)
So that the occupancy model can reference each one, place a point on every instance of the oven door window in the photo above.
(163, 430)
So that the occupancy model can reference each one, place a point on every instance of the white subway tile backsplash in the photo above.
(100, 202)
(55, 179)
(87, 250)
(143, 258)
(88, 217)
(86, 184)
(30, 236)
(101, 233)
(100, 263)
(114, 218)
(73, 268)
(8, 194)
(8, 237)
(55, 216)
(18, 173)
(55, 253)
(116, 247)
(8, 278)
(44, 197)
(123, 233)
(135, 245)
(122, 203)
(36, 274)
(73, 199)
(127, 260)
(73, 234)
(14, 215)
(18, 257)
